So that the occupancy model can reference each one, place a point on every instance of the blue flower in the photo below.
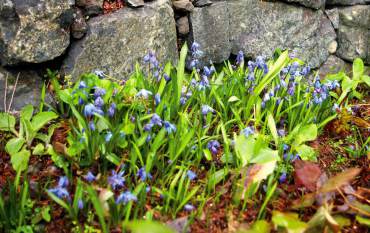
(82, 85)
(336, 107)
(281, 132)
(112, 109)
(92, 125)
(283, 177)
(148, 127)
(99, 92)
(189, 207)
(116, 180)
(240, 57)
(191, 175)
(157, 99)
(99, 73)
(305, 70)
(144, 93)
(99, 102)
(213, 146)
(248, 131)
(89, 177)
(332, 84)
(156, 120)
(108, 136)
(285, 147)
(169, 127)
(126, 197)
(166, 77)
(89, 110)
(80, 204)
(80, 101)
(207, 109)
(143, 175)
(61, 190)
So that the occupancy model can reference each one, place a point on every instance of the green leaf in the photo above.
(358, 68)
(41, 119)
(65, 96)
(244, 147)
(45, 213)
(14, 145)
(306, 152)
(180, 72)
(129, 128)
(363, 220)
(366, 79)
(27, 112)
(289, 221)
(207, 154)
(260, 226)
(98, 208)
(272, 126)
(141, 226)
(305, 134)
(20, 160)
(39, 149)
(7, 122)
(233, 99)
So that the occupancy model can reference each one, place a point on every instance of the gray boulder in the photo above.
(333, 15)
(210, 28)
(27, 91)
(354, 33)
(115, 42)
(258, 28)
(316, 4)
(333, 65)
(346, 2)
(33, 31)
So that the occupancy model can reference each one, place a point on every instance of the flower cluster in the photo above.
(157, 121)
(61, 189)
(196, 53)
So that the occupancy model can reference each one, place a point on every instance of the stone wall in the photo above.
(74, 36)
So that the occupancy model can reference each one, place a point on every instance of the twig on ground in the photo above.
(14, 88)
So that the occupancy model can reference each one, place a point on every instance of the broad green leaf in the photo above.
(207, 154)
(39, 149)
(141, 226)
(306, 152)
(305, 134)
(366, 79)
(244, 147)
(129, 128)
(265, 155)
(217, 176)
(41, 119)
(357, 68)
(7, 122)
(20, 160)
(65, 96)
(233, 99)
(101, 125)
(14, 145)
(27, 112)
(263, 171)
(260, 226)
(289, 221)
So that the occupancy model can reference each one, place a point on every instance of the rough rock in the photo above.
(91, 7)
(258, 28)
(79, 25)
(33, 31)
(354, 33)
(346, 2)
(27, 91)
(183, 5)
(182, 24)
(202, 3)
(333, 65)
(333, 15)
(210, 28)
(180, 225)
(316, 4)
(115, 42)
(135, 3)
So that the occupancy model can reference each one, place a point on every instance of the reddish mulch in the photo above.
(110, 6)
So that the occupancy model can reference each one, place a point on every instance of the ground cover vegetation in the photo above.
(252, 146)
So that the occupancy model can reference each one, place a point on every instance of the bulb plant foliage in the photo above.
(165, 138)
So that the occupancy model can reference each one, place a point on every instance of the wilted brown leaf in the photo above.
(339, 180)
(306, 174)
